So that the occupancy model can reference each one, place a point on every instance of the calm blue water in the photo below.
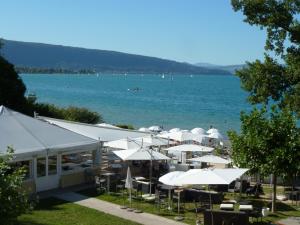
(184, 101)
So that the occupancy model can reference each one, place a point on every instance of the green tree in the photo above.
(276, 78)
(13, 198)
(269, 143)
(12, 88)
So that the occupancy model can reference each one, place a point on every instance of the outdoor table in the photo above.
(229, 202)
(226, 206)
(246, 208)
(139, 178)
(107, 175)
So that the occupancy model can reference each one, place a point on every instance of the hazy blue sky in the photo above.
(183, 30)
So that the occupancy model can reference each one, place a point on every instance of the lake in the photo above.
(184, 101)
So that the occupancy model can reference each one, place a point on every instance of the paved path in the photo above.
(290, 221)
(113, 209)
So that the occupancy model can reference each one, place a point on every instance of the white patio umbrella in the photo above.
(210, 159)
(143, 154)
(212, 130)
(144, 129)
(128, 184)
(210, 176)
(216, 135)
(178, 136)
(125, 143)
(154, 140)
(174, 130)
(170, 179)
(198, 130)
(200, 138)
(190, 148)
(155, 128)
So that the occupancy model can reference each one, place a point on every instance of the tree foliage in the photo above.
(271, 79)
(71, 113)
(12, 88)
(269, 143)
(13, 198)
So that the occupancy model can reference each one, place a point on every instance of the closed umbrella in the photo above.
(128, 184)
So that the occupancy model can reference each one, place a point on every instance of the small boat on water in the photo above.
(163, 76)
(136, 89)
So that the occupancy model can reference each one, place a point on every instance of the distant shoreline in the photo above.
(30, 70)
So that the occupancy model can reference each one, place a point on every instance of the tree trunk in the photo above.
(274, 192)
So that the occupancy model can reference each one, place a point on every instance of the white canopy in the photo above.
(125, 143)
(200, 138)
(174, 130)
(210, 159)
(178, 136)
(30, 136)
(190, 148)
(140, 154)
(212, 130)
(198, 130)
(210, 176)
(171, 178)
(94, 131)
(152, 140)
(155, 128)
(144, 129)
(216, 135)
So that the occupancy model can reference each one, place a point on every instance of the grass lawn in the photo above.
(54, 211)
(283, 210)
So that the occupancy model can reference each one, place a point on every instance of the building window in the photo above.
(77, 161)
(52, 165)
(41, 167)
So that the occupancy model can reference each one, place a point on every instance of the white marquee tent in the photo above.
(29, 136)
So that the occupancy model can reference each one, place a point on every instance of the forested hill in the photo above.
(46, 56)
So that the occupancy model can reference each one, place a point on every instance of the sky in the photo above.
(183, 30)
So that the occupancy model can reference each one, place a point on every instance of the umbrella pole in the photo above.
(150, 175)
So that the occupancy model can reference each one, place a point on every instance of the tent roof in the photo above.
(96, 132)
(210, 159)
(140, 154)
(28, 135)
(190, 148)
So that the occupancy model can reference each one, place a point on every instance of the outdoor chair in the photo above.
(100, 184)
(256, 190)
(256, 213)
(161, 200)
